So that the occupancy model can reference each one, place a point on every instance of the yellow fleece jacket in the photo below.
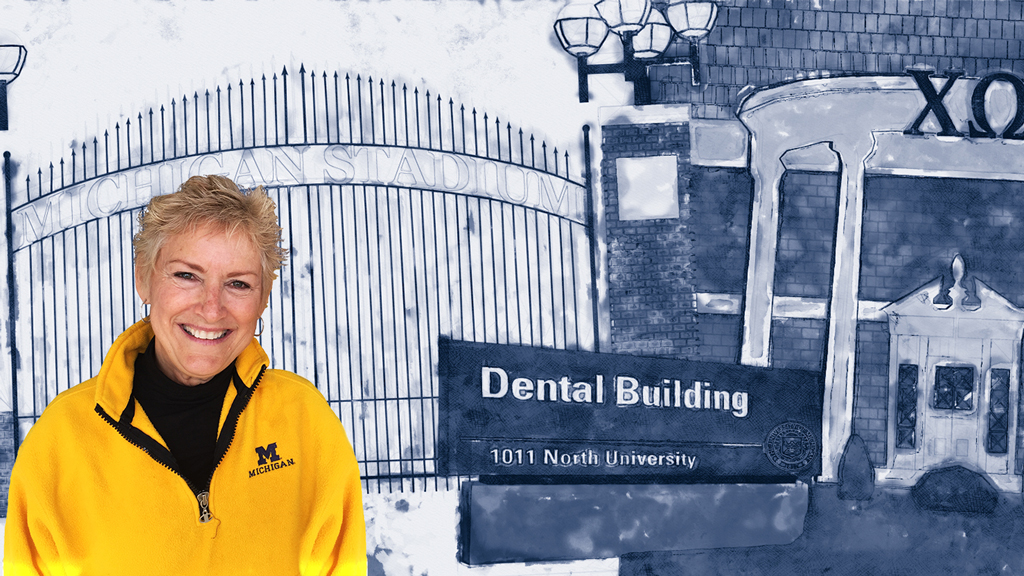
(92, 493)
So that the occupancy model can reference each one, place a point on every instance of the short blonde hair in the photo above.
(216, 200)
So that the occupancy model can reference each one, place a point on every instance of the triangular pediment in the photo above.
(965, 307)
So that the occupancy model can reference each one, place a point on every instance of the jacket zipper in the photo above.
(204, 506)
(202, 496)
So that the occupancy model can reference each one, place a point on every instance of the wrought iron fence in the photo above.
(376, 272)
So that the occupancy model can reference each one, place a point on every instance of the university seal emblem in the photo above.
(791, 446)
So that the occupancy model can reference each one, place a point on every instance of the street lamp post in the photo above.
(12, 60)
(645, 33)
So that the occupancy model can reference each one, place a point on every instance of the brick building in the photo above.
(818, 186)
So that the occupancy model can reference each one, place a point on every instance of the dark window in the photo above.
(997, 441)
(954, 387)
(906, 406)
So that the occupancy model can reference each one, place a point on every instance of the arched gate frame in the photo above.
(406, 219)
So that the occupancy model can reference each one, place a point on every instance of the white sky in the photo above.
(92, 63)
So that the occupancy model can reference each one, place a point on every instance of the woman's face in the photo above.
(206, 294)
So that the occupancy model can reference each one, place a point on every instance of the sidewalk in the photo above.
(885, 535)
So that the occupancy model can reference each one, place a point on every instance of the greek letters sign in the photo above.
(978, 125)
(522, 411)
(302, 165)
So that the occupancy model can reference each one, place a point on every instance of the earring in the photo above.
(145, 312)
(259, 322)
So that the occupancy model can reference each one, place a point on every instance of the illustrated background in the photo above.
(93, 64)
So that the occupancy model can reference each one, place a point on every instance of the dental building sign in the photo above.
(318, 164)
(628, 392)
(519, 411)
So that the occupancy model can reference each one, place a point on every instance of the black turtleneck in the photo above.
(185, 416)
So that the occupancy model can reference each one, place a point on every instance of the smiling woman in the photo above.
(149, 466)
(209, 290)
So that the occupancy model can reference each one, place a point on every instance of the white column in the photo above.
(767, 170)
(846, 113)
(841, 347)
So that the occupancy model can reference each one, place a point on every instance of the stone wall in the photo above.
(803, 265)
(719, 336)
(720, 211)
(799, 343)
(913, 227)
(6, 457)
(871, 381)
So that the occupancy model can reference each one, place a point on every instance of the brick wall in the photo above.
(720, 212)
(807, 224)
(914, 226)
(650, 274)
(1018, 466)
(762, 42)
(6, 457)
(798, 343)
(719, 337)
(871, 388)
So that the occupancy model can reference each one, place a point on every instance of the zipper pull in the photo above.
(204, 507)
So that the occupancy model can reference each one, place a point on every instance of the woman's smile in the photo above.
(207, 335)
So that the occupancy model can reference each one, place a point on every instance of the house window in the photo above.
(997, 440)
(954, 387)
(906, 406)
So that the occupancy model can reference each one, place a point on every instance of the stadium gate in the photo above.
(406, 218)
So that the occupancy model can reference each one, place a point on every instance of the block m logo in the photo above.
(267, 454)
